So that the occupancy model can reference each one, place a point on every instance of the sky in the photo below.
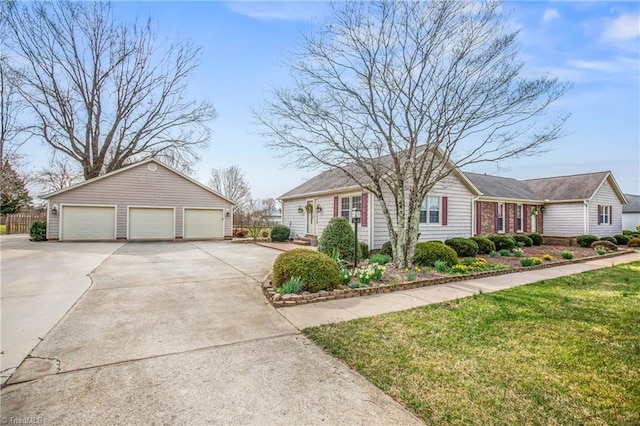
(594, 45)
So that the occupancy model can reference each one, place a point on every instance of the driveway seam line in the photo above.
(226, 263)
(110, 364)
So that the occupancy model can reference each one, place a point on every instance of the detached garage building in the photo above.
(144, 201)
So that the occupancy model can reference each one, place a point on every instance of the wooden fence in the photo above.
(20, 223)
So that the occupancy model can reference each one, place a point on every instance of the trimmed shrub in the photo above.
(634, 242)
(427, 253)
(316, 270)
(485, 245)
(527, 241)
(537, 239)
(240, 232)
(566, 254)
(38, 231)
(627, 232)
(364, 250)
(610, 239)
(380, 259)
(503, 242)
(339, 235)
(386, 249)
(605, 244)
(464, 247)
(505, 253)
(280, 233)
(586, 240)
(621, 240)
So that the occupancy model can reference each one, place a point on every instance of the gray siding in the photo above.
(605, 196)
(295, 221)
(459, 217)
(564, 219)
(140, 187)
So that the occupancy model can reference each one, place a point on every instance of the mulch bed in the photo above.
(395, 279)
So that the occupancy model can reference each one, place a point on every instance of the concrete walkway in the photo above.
(314, 314)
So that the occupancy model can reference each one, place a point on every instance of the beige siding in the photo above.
(139, 186)
(564, 219)
(459, 217)
(295, 221)
(605, 196)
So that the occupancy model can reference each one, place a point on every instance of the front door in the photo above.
(534, 223)
(309, 209)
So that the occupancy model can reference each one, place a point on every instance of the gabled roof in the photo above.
(327, 181)
(581, 187)
(150, 160)
(634, 204)
(501, 187)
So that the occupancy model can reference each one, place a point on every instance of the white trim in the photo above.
(184, 216)
(614, 186)
(520, 230)
(129, 207)
(427, 223)
(501, 209)
(115, 217)
(48, 221)
(585, 215)
(149, 160)
(336, 191)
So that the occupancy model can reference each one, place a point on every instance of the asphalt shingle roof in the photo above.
(634, 204)
(501, 187)
(573, 187)
(329, 180)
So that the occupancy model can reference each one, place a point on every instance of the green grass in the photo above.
(561, 351)
(3, 229)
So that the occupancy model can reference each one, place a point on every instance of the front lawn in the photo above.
(561, 351)
(3, 229)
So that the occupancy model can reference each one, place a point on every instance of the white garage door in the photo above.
(203, 223)
(88, 223)
(151, 223)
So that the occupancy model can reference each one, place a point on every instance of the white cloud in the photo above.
(278, 10)
(625, 27)
(619, 64)
(549, 15)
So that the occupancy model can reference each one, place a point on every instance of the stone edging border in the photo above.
(282, 301)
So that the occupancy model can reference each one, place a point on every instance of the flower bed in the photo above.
(395, 279)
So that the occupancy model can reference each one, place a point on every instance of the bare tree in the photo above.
(102, 91)
(59, 174)
(397, 94)
(231, 183)
(257, 212)
(11, 108)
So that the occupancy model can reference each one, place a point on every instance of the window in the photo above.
(347, 204)
(430, 210)
(604, 215)
(500, 217)
(519, 218)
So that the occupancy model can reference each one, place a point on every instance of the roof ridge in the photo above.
(566, 176)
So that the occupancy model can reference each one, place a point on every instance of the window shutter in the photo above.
(599, 215)
(505, 218)
(365, 209)
(495, 216)
(525, 215)
(515, 218)
(610, 215)
(335, 206)
(444, 210)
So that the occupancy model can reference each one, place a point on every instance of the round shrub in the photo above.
(610, 239)
(38, 231)
(427, 253)
(364, 250)
(503, 242)
(604, 244)
(316, 270)
(527, 241)
(485, 245)
(338, 235)
(634, 242)
(464, 247)
(537, 239)
(622, 239)
(280, 233)
(386, 249)
(586, 240)
(627, 232)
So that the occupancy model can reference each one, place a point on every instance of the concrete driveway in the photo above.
(180, 332)
(40, 282)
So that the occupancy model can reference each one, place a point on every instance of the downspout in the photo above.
(474, 219)
(586, 218)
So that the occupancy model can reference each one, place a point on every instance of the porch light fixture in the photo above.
(54, 209)
(227, 213)
(300, 209)
(319, 208)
